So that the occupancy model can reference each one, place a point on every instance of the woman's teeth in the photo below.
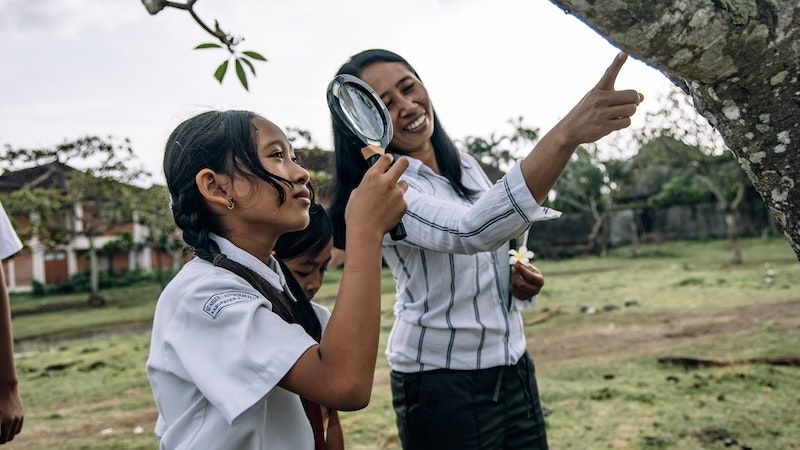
(415, 125)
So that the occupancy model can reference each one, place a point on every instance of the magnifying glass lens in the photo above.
(362, 113)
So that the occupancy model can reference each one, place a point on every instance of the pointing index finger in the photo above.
(606, 82)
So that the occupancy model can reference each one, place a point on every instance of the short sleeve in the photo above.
(234, 348)
(322, 314)
(9, 241)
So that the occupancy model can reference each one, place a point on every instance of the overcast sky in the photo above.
(76, 67)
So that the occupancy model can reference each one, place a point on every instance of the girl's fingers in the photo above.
(397, 169)
(381, 164)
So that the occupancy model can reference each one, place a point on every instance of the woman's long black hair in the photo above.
(225, 142)
(350, 165)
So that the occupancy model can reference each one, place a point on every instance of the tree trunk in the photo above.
(159, 269)
(739, 60)
(732, 221)
(595, 233)
(95, 299)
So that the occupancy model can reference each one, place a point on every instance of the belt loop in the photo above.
(499, 382)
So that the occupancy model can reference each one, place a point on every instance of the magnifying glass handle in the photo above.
(398, 233)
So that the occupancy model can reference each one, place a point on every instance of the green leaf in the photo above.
(250, 65)
(240, 73)
(208, 45)
(219, 74)
(254, 55)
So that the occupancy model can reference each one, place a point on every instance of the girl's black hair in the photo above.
(309, 241)
(225, 142)
(350, 165)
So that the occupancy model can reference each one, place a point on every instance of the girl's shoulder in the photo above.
(200, 281)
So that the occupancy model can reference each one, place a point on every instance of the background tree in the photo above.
(703, 167)
(153, 211)
(500, 150)
(103, 189)
(590, 185)
(121, 244)
(739, 60)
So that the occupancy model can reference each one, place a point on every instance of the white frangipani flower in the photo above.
(521, 254)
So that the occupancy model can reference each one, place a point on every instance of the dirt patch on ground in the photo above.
(608, 341)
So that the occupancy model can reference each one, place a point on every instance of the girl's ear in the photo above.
(214, 187)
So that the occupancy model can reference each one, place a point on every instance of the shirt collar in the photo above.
(271, 271)
(417, 165)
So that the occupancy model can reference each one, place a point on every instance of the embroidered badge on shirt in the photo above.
(220, 301)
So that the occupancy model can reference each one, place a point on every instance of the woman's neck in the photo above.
(426, 155)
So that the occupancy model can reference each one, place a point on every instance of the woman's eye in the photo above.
(278, 154)
(304, 274)
(408, 87)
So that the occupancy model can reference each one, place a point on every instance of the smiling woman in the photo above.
(461, 375)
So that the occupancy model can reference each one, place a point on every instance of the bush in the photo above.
(38, 288)
(81, 282)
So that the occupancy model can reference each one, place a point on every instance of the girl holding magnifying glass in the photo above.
(461, 376)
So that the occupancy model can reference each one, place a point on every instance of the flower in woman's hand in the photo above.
(522, 255)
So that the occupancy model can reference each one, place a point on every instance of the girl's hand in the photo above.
(11, 416)
(377, 204)
(601, 111)
(526, 280)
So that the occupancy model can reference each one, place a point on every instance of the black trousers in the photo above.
(495, 408)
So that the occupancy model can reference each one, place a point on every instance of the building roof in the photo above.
(48, 176)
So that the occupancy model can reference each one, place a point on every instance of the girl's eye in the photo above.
(304, 274)
(277, 154)
(408, 87)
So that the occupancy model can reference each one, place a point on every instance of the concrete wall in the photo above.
(568, 234)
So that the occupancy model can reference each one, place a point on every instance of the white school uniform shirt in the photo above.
(9, 241)
(216, 356)
(452, 271)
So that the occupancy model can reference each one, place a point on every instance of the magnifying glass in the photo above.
(358, 109)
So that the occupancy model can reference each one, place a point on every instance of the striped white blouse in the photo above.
(452, 272)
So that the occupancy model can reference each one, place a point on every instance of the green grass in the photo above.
(127, 307)
(681, 276)
(74, 389)
(647, 405)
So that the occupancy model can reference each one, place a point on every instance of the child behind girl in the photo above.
(236, 361)
(306, 255)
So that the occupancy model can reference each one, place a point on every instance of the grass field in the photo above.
(599, 378)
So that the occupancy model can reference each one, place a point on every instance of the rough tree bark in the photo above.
(740, 62)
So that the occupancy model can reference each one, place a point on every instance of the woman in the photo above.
(461, 377)
(236, 361)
